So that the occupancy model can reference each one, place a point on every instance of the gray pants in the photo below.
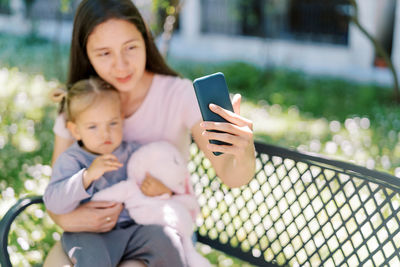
(153, 244)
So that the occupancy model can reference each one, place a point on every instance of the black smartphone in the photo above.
(212, 89)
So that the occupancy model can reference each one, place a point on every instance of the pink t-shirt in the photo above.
(168, 113)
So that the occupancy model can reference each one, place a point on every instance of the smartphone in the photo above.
(212, 89)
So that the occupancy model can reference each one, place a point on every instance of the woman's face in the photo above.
(117, 52)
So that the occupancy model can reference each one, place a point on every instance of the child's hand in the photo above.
(102, 164)
(153, 187)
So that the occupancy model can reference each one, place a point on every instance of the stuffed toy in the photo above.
(164, 162)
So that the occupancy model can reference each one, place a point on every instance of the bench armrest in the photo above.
(6, 222)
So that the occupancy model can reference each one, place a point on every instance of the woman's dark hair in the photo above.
(91, 13)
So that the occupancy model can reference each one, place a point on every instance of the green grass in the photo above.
(34, 56)
(341, 119)
(315, 97)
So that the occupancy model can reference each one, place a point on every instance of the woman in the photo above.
(111, 40)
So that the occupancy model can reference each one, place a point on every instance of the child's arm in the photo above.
(65, 192)
(67, 187)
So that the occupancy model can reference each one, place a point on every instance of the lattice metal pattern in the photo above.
(299, 213)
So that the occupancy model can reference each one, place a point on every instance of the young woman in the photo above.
(111, 40)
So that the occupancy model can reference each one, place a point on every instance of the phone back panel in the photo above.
(212, 89)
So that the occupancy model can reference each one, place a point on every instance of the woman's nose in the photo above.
(121, 62)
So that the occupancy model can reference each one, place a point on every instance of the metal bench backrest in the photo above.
(301, 210)
(298, 210)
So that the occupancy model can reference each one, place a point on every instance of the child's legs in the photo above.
(91, 249)
(156, 245)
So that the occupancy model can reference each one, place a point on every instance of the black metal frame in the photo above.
(374, 176)
(333, 215)
(343, 220)
(6, 222)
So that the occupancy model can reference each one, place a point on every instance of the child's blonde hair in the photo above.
(82, 95)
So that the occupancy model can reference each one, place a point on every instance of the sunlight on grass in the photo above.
(23, 99)
(24, 141)
(351, 141)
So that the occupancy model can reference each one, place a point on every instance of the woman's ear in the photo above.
(73, 129)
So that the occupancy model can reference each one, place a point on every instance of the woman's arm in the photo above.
(236, 166)
(94, 216)
(60, 145)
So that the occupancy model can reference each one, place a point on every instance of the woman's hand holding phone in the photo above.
(225, 129)
(237, 131)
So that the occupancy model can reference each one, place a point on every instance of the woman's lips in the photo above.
(107, 142)
(124, 79)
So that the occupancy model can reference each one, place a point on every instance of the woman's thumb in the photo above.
(236, 103)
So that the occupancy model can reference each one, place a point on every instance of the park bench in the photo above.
(299, 210)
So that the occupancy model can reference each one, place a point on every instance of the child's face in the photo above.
(99, 127)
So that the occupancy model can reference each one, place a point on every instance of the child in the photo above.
(96, 161)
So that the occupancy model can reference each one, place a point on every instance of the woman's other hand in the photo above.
(94, 216)
(153, 187)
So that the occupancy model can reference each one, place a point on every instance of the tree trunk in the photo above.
(378, 48)
(169, 27)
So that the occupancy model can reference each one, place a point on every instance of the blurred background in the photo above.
(315, 75)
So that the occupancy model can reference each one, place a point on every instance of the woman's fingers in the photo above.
(108, 222)
(237, 144)
(227, 138)
(231, 116)
(100, 204)
(91, 217)
(226, 128)
(238, 132)
(106, 217)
